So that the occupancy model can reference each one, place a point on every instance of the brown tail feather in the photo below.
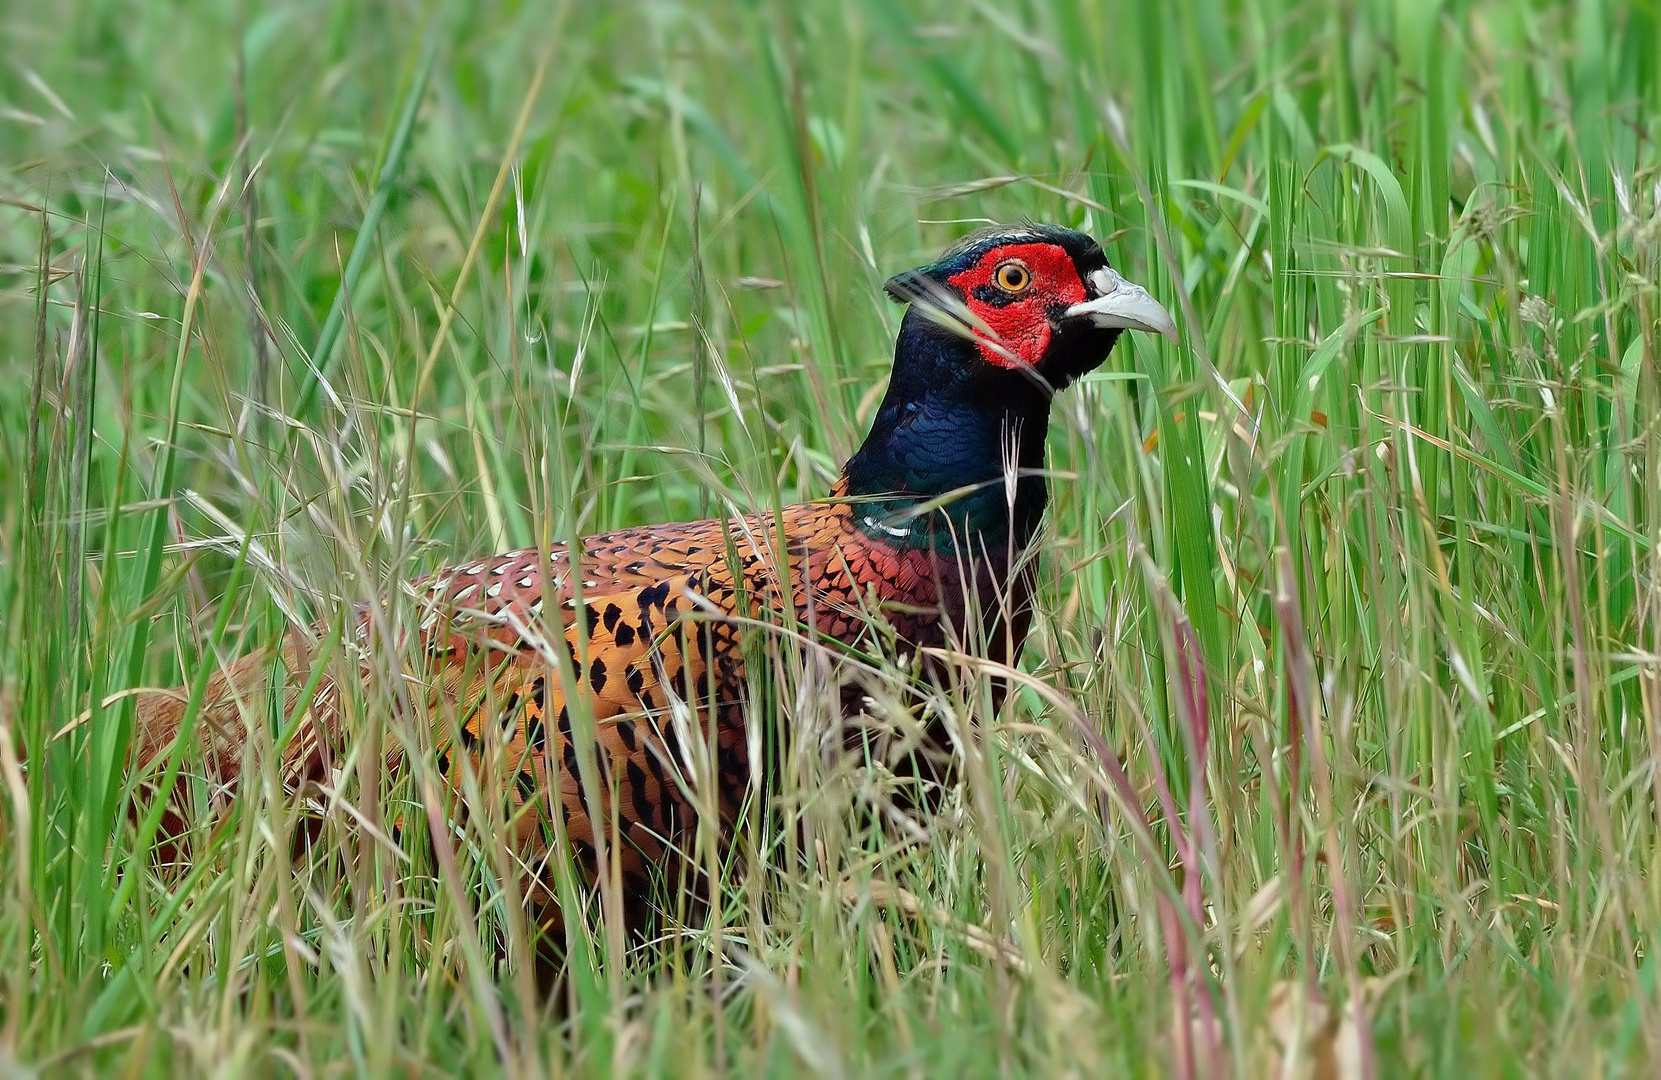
(221, 729)
(236, 695)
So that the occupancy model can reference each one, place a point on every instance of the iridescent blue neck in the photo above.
(950, 428)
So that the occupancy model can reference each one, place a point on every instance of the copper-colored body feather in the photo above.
(664, 610)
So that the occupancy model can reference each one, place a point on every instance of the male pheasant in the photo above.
(924, 530)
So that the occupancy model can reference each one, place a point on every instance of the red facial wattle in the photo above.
(1020, 324)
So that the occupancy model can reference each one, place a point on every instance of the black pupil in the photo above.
(1013, 277)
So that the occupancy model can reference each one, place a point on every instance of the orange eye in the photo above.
(1012, 276)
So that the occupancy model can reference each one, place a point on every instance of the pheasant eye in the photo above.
(1012, 276)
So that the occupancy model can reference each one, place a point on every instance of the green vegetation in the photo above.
(299, 299)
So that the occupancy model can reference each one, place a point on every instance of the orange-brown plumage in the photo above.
(663, 611)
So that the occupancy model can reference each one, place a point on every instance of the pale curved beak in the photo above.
(1123, 305)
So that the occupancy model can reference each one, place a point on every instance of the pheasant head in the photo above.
(1000, 322)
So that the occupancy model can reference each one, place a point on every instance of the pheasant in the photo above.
(644, 628)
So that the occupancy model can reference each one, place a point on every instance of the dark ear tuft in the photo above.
(906, 287)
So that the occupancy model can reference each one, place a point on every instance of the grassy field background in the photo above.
(1357, 585)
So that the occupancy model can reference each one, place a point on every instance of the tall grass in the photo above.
(1337, 739)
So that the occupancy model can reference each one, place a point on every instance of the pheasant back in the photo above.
(637, 653)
